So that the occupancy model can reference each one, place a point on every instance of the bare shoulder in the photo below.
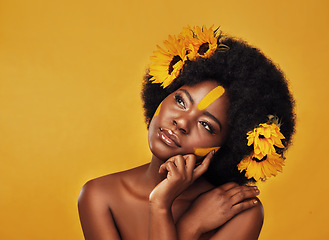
(95, 215)
(249, 224)
(99, 190)
(95, 204)
(94, 190)
(253, 217)
(97, 185)
(95, 197)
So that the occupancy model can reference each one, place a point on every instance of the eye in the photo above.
(207, 126)
(179, 100)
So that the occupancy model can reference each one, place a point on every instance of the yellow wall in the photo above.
(70, 74)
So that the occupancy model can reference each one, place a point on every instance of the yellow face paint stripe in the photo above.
(158, 110)
(204, 151)
(211, 97)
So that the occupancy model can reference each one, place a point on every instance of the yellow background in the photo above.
(70, 108)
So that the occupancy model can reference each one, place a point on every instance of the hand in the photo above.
(217, 206)
(181, 173)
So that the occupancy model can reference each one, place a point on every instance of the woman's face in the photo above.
(181, 125)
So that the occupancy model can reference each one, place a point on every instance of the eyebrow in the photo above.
(188, 95)
(206, 112)
(213, 118)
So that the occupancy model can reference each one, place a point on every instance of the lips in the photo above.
(169, 137)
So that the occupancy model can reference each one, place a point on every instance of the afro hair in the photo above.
(256, 88)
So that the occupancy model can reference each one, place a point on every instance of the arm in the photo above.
(244, 226)
(95, 216)
(181, 173)
(210, 211)
(230, 208)
(161, 224)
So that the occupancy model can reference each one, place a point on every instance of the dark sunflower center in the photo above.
(203, 48)
(257, 160)
(174, 60)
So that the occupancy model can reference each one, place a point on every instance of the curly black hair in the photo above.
(256, 88)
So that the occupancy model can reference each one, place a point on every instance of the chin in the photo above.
(161, 153)
(164, 153)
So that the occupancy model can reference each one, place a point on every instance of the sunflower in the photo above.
(264, 138)
(168, 62)
(201, 41)
(269, 166)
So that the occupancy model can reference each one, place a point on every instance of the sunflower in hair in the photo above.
(264, 138)
(202, 41)
(264, 161)
(168, 61)
(191, 43)
(269, 166)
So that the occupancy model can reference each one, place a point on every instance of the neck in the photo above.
(152, 176)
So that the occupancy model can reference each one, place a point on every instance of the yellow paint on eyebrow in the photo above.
(211, 97)
(158, 110)
(204, 151)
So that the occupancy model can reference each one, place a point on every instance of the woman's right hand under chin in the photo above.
(181, 173)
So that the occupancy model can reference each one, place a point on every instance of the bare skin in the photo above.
(168, 198)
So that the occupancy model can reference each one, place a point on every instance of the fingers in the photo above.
(181, 164)
(169, 167)
(190, 160)
(202, 168)
(185, 165)
(236, 198)
(242, 206)
(241, 193)
(178, 161)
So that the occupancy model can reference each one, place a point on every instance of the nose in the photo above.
(182, 124)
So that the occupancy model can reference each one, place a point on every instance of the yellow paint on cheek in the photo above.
(217, 92)
(158, 110)
(204, 151)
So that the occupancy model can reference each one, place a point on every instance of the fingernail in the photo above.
(212, 152)
(255, 202)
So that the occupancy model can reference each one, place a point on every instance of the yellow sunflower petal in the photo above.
(267, 132)
(243, 165)
(203, 40)
(254, 170)
(278, 143)
(167, 61)
(264, 138)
